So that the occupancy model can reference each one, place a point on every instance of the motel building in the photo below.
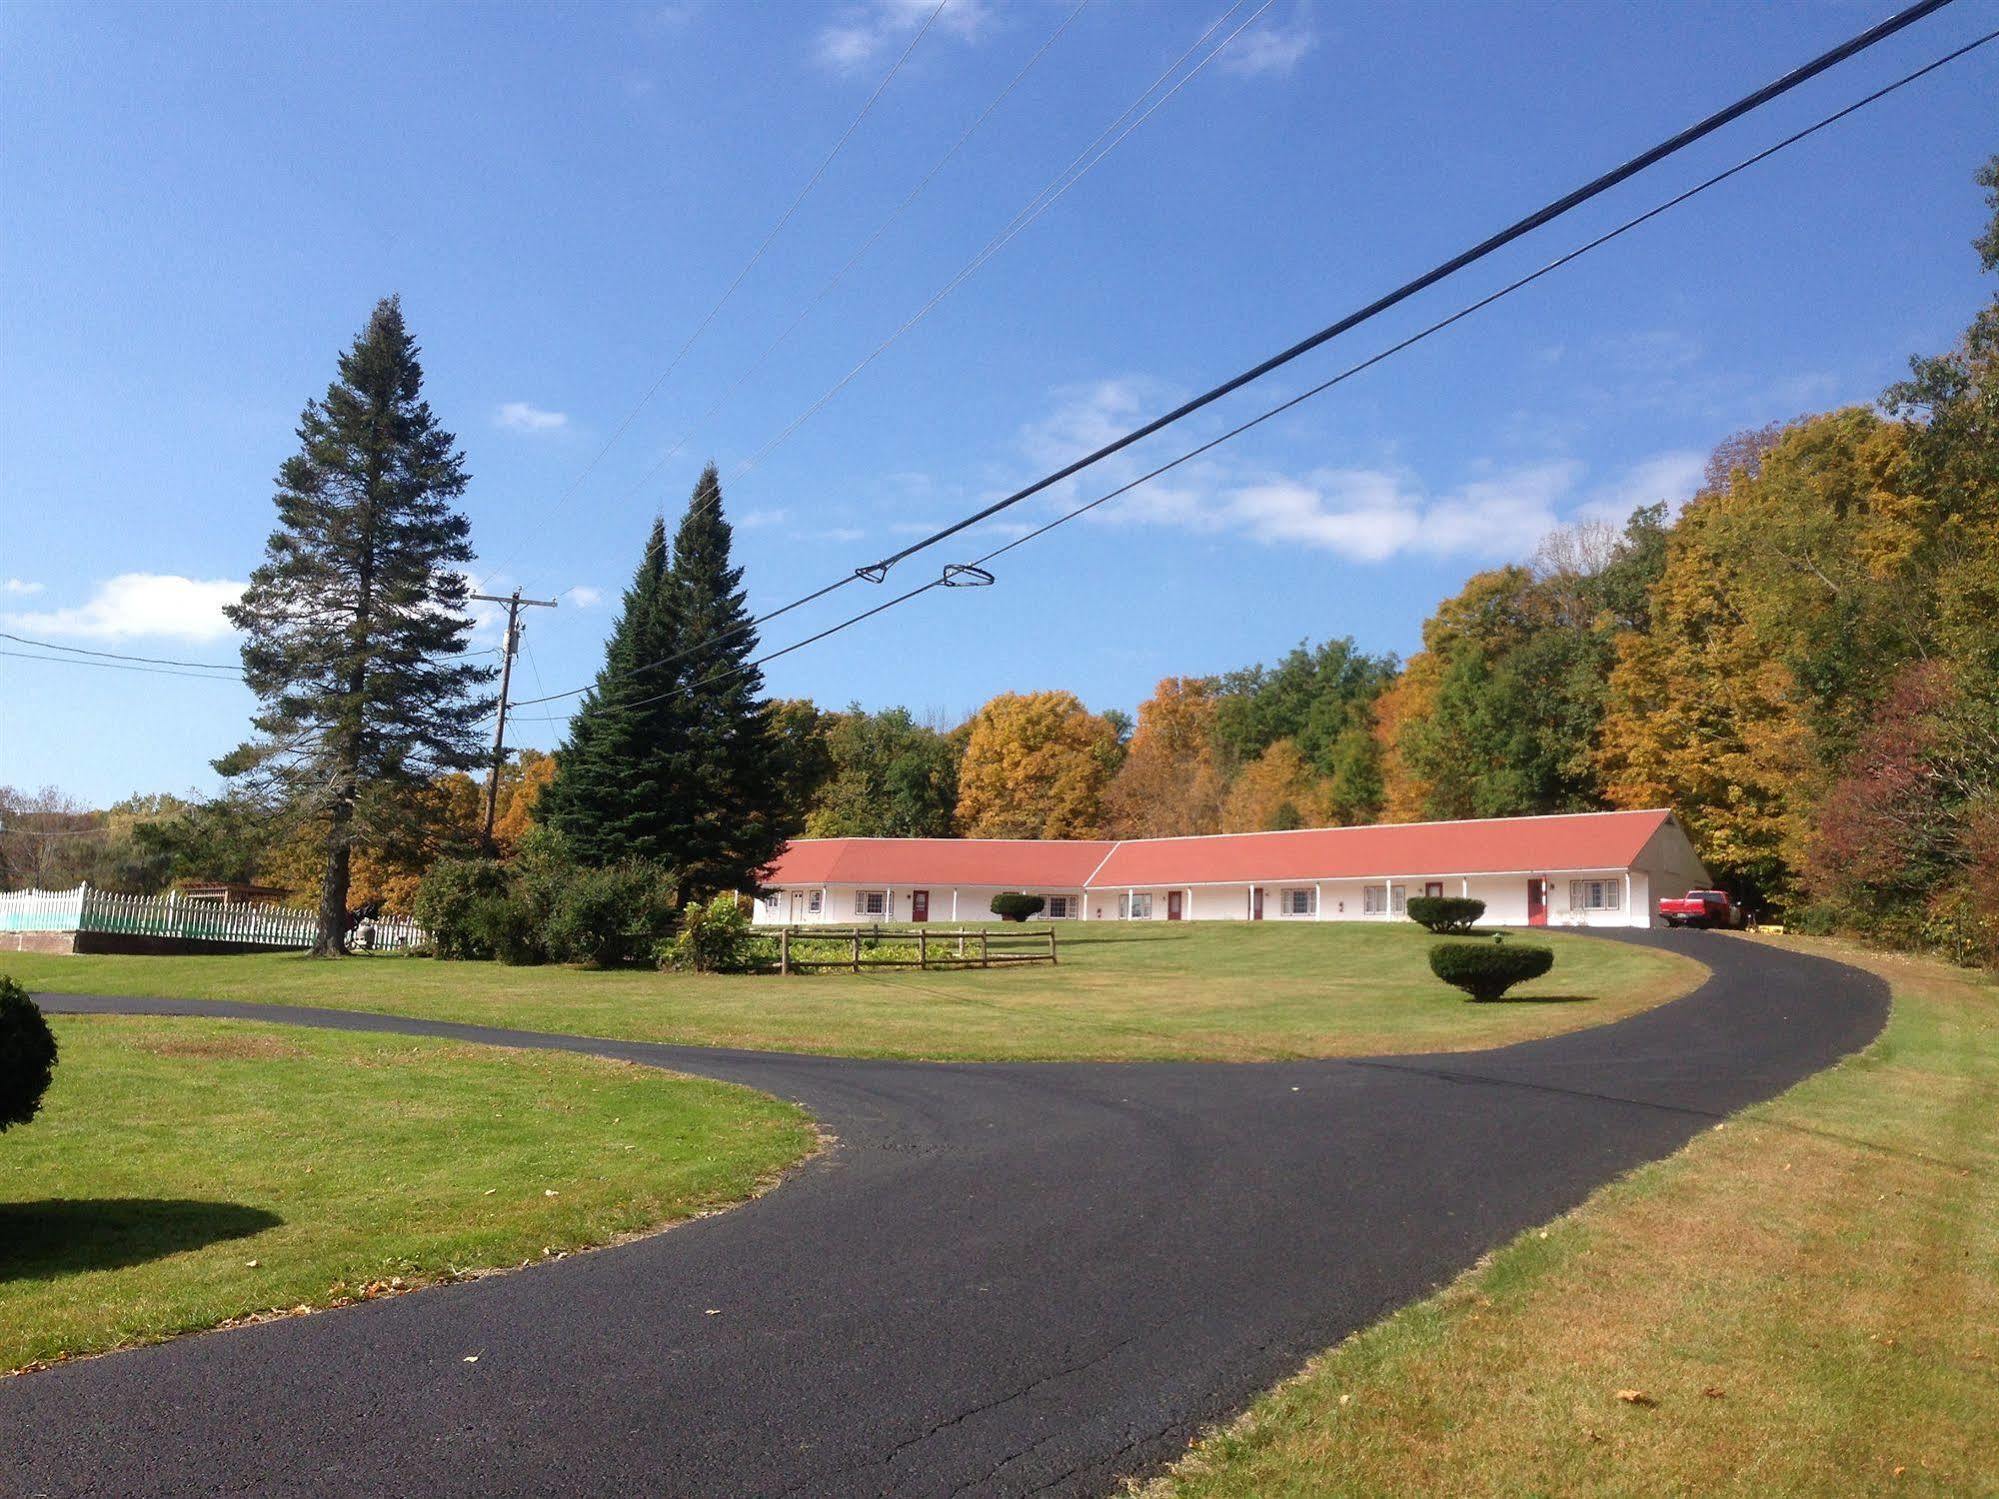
(1580, 869)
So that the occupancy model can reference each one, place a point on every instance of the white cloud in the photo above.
(132, 605)
(1369, 514)
(17, 588)
(1272, 49)
(1671, 476)
(758, 520)
(863, 32)
(583, 596)
(519, 416)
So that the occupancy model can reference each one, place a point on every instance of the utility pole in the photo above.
(515, 603)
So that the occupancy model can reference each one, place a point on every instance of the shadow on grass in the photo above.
(68, 1235)
(1535, 999)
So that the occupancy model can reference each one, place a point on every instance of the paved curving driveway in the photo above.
(1009, 1278)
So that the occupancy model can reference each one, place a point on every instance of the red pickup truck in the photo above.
(1701, 908)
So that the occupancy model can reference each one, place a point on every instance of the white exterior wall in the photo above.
(1666, 866)
(974, 904)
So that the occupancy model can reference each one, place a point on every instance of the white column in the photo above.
(1628, 915)
(954, 902)
(1464, 886)
(1318, 902)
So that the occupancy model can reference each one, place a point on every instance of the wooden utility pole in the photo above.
(515, 603)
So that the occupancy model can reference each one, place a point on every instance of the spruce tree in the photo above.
(612, 796)
(355, 622)
(736, 811)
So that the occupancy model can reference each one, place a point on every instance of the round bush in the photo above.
(718, 938)
(611, 916)
(1486, 970)
(1013, 906)
(1445, 913)
(27, 1055)
(454, 903)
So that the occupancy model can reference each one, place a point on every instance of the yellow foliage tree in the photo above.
(521, 786)
(1169, 784)
(1036, 765)
(1277, 790)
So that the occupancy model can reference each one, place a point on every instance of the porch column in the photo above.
(1464, 886)
(1127, 903)
(1318, 902)
(954, 902)
(1628, 914)
(1388, 900)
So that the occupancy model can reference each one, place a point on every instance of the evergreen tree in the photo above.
(354, 623)
(733, 811)
(612, 796)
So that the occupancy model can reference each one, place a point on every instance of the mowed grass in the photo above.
(184, 1173)
(1226, 991)
(1805, 1302)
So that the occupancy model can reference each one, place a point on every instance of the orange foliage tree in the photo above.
(1169, 784)
(1036, 765)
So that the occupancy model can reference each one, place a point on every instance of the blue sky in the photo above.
(203, 203)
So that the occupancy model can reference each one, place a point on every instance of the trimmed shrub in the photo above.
(1486, 970)
(508, 927)
(1445, 913)
(718, 938)
(454, 903)
(611, 916)
(27, 1055)
(1013, 906)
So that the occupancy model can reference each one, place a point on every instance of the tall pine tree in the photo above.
(355, 622)
(613, 796)
(738, 811)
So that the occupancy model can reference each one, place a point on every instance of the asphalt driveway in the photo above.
(1007, 1279)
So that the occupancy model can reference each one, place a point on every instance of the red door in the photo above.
(1256, 904)
(1537, 903)
(919, 905)
(1172, 905)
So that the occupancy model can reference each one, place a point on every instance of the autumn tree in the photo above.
(1035, 766)
(1168, 783)
(354, 624)
(1276, 791)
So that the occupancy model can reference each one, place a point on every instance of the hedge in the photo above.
(1445, 913)
(1486, 970)
(1013, 906)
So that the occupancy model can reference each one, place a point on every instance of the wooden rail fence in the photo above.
(812, 948)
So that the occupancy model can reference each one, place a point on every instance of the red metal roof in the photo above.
(1010, 863)
(1590, 840)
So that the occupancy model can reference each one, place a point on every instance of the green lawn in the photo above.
(1151, 991)
(1805, 1302)
(184, 1173)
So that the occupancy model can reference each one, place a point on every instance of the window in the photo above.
(1134, 907)
(1370, 899)
(1061, 907)
(814, 900)
(870, 903)
(1298, 902)
(1596, 895)
(1398, 899)
(1433, 888)
(771, 900)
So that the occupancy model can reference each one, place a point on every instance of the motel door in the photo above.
(1256, 903)
(1172, 905)
(919, 905)
(1537, 902)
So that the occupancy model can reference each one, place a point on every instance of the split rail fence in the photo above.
(813, 948)
(171, 916)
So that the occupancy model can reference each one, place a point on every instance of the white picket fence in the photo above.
(86, 910)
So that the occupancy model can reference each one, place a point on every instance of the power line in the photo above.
(976, 566)
(1042, 200)
(50, 645)
(157, 671)
(748, 266)
(866, 245)
(1034, 208)
(878, 571)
